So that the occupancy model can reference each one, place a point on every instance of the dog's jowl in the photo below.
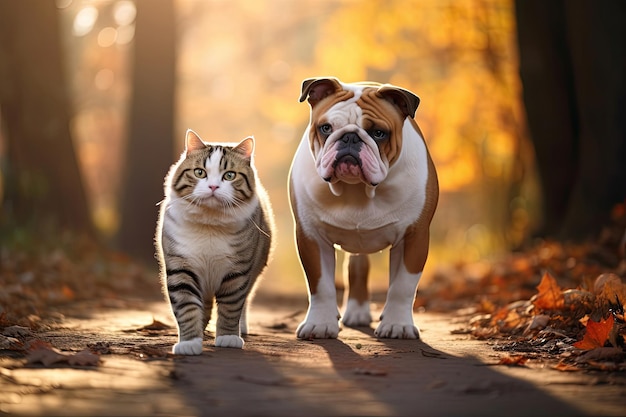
(362, 180)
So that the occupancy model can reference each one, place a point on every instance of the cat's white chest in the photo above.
(208, 247)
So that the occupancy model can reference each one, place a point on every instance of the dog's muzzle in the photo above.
(348, 149)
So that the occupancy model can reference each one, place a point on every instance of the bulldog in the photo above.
(361, 180)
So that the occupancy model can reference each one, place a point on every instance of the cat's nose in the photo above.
(214, 187)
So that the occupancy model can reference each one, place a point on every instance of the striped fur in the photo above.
(214, 239)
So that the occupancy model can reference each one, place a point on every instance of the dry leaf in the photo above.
(8, 343)
(538, 322)
(602, 354)
(550, 296)
(49, 356)
(610, 289)
(16, 331)
(565, 367)
(596, 335)
(515, 360)
(46, 356)
(83, 358)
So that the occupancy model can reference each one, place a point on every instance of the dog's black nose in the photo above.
(350, 138)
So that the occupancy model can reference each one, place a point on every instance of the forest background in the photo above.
(95, 98)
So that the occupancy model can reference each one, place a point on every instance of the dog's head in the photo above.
(355, 131)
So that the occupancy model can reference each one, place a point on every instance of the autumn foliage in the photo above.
(556, 302)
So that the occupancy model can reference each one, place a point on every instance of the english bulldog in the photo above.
(361, 180)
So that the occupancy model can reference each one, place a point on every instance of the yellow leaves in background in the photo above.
(240, 65)
(458, 56)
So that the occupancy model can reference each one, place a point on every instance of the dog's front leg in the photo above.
(396, 320)
(318, 261)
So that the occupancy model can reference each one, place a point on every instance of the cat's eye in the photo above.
(325, 129)
(230, 175)
(199, 172)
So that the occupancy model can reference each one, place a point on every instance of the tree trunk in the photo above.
(150, 142)
(43, 185)
(572, 66)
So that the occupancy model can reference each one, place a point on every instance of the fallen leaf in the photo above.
(565, 367)
(550, 296)
(610, 289)
(83, 358)
(602, 354)
(49, 356)
(515, 360)
(538, 322)
(38, 344)
(596, 335)
(46, 356)
(16, 331)
(9, 343)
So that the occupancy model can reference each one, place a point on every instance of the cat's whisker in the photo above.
(259, 228)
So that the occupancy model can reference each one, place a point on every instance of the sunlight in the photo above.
(239, 72)
(124, 12)
(85, 20)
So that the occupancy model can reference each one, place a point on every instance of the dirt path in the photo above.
(277, 375)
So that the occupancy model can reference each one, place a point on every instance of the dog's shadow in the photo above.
(410, 374)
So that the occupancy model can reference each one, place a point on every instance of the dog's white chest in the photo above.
(359, 239)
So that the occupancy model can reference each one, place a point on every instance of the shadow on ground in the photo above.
(277, 375)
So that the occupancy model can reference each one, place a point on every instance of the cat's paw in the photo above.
(188, 347)
(357, 314)
(229, 341)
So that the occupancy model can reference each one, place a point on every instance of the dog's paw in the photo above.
(310, 329)
(387, 330)
(229, 341)
(357, 314)
(188, 347)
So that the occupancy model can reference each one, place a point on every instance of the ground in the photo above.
(538, 332)
(129, 370)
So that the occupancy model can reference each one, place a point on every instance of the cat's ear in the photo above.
(193, 141)
(245, 148)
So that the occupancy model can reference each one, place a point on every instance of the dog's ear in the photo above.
(318, 88)
(405, 100)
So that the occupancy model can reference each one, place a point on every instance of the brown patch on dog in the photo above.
(373, 107)
(308, 250)
(416, 237)
(319, 109)
(358, 271)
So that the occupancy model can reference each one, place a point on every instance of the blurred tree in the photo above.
(151, 132)
(42, 179)
(573, 70)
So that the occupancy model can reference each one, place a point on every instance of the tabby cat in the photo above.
(213, 240)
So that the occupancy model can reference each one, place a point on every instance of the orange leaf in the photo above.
(515, 360)
(596, 335)
(564, 367)
(550, 296)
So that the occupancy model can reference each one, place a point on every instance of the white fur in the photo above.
(229, 341)
(364, 219)
(356, 314)
(322, 318)
(188, 347)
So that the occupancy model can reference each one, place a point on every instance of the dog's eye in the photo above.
(199, 172)
(326, 129)
(379, 134)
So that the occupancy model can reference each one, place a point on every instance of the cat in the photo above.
(213, 240)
